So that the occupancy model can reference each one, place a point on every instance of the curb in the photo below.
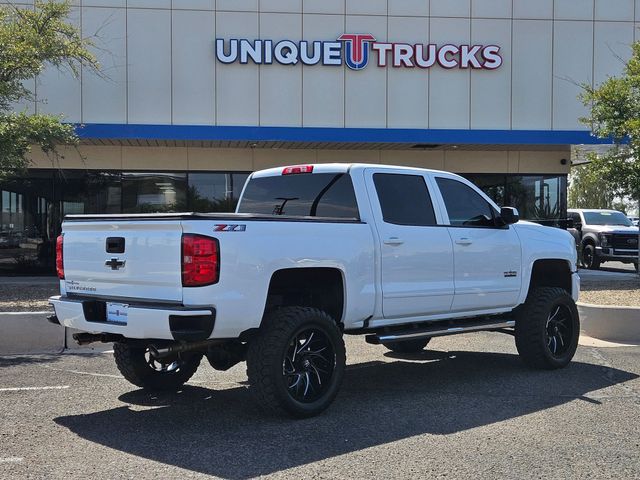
(610, 323)
(29, 333)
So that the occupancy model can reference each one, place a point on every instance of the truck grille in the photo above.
(624, 241)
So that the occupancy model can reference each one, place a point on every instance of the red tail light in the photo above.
(59, 258)
(297, 169)
(200, 260)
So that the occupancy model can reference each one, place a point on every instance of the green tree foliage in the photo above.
(31, 39)
(615, 114)
(587, 189)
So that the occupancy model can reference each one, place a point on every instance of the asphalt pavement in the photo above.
(466, 408)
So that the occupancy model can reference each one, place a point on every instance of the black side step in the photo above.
(439, 330)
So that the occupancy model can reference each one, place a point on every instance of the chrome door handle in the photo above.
(464, 241)
(393, 241)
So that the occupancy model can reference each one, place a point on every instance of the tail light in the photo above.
(200, 260)
(59, 258)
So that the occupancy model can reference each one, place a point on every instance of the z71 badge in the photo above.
(229, 228)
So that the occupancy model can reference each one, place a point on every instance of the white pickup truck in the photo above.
(313, 252)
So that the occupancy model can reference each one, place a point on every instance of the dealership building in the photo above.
(193, 95)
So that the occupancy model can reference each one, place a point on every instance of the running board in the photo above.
(436, 331)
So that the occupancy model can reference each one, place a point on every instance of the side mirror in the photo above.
(509, 215)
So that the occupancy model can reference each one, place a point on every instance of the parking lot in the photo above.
(466, 407)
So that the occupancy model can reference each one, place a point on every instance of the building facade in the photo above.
(193, 95)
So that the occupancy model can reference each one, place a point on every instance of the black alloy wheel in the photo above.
(142, 369)
(589, 257)
(559, 331)
(308, 365)
(547, 328)
(296, 363)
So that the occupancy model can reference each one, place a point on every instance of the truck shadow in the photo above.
(221, 432)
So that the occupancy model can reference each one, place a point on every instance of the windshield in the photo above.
(327, 195)
(606, 218)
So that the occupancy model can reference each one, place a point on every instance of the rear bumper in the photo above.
(143, 321)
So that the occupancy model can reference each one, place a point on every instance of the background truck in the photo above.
(604, 236)
(314, 252)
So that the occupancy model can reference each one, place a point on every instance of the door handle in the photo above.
(393, 241)
(464, 241)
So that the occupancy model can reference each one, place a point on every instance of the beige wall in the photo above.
(193, 158)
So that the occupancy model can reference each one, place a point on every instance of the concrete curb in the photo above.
(29, 333)
(610, 323)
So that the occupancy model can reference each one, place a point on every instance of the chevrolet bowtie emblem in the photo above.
(115, 264)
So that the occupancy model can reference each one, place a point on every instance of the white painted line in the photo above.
(11, 459)
(22, 389)
(78, 372)
(27, 313)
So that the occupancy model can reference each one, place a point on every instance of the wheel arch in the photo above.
(318, 287)
(549, 272)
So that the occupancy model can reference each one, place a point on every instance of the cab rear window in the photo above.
(327, 195)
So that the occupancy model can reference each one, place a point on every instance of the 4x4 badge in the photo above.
(511, 273)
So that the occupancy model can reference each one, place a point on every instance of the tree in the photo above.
(587, 189)
(615, 114)
(30, 40)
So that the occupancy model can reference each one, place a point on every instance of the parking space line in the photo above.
(79, 372)
(21, 389)
(11, 459)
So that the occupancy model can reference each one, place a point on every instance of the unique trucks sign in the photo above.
(354, 50)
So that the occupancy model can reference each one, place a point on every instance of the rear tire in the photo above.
(408, 346)
(138, 367)
(547, 328)
(296, 362)
(590, 258)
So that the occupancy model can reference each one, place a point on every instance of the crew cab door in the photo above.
(416, 254)
(487, 257)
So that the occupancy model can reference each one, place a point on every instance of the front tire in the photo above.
(138, 366)
(590, 258)
(296, 362)
(407, 346)
(547, 328)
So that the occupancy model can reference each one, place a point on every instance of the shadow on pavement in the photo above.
(223, 433)
(16, 360)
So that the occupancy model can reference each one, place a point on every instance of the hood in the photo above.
(613, 229)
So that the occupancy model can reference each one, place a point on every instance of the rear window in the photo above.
(328, 195)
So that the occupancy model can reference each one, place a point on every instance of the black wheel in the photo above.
(407, 346)
(296, 363)
(139, 367)
(547, 328)
(589, 257)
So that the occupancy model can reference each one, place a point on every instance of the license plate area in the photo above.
(99, 311)
(117, 313)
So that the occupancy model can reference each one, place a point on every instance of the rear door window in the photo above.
(327, 195)
(404, 199)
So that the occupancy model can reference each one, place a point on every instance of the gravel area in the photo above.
(26, 297)
(611, 292)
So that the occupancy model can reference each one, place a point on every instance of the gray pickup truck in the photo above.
(604, 236)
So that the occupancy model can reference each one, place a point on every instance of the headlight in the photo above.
(605, 239)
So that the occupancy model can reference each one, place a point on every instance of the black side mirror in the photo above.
(509, 215)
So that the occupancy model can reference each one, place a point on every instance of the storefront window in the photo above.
(539, 198)
(215, 192)
(154, 192)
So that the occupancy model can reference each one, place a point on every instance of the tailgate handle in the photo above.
(115, 245)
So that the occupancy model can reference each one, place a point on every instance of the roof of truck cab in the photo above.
(339, 168)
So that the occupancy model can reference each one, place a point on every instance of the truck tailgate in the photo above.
(124, 259)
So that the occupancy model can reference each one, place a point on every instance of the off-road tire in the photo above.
(532, 324)
(589, 257)
(133, 366)
(268, 350)
(408, 346)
